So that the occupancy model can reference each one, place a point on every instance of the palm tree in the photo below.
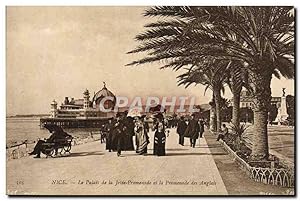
(268, 36)
(208, 73)
(212, 115)
(262, 38)
(235, 81)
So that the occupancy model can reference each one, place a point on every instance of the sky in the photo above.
(54, 52)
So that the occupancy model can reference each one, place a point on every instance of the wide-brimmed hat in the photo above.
(135, 112)
(141, 117)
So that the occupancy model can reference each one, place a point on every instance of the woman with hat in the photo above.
(159, 136)
(142, 139)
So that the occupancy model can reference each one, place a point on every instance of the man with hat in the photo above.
(119, 129)
(109, 134)
(128, 132)
(192, 130)
(181, 127)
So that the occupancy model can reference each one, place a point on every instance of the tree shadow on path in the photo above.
(194, 154)
(171, 149)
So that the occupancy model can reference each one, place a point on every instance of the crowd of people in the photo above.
(192, 128)
(120, 131)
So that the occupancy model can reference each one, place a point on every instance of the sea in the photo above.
(19, 129)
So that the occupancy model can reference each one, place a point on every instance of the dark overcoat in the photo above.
(129, 133)
(181, 127)
(192, 130)
(109, 135)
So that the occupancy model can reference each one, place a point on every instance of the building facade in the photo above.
(85, 108)
(246, 100)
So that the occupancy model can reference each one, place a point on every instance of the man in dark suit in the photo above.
(119, 130)
(192, 131)
(109, 135)
(181, 127)
(56, 135)
(201, 125)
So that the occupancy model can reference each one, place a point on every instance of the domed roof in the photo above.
(104, 92)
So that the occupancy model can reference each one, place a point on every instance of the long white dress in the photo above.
(141, 138)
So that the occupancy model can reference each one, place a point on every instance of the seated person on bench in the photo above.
(53, 137)
(223, 133)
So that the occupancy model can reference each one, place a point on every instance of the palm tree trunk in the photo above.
(260, 84)
(236, 87)
(212, 116)
(217, 96)
(236, 105)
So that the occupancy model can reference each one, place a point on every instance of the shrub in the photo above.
(238, 131)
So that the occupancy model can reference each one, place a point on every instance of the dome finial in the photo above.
(104, 85)
(86, 92)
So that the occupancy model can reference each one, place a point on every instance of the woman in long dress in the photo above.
(159, 137)
(142, 139)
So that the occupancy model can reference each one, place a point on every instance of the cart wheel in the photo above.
(49, 152)
(61, 151)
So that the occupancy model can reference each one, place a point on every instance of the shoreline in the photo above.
(27, 116)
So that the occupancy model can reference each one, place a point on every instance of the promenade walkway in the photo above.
(91, 170)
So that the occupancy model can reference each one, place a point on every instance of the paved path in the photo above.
(184, 170)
